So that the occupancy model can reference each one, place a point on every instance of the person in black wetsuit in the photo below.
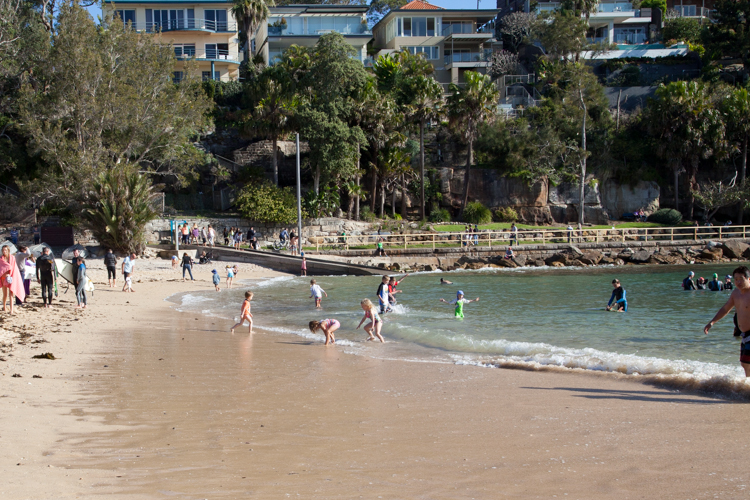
(45, 274)
(715, 285)
(110, 261)
(728, 283)
(701, 283)
(688, 283)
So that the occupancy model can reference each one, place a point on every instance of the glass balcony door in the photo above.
(216, 20)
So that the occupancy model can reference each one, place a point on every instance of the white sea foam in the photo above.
(307, 334)
(273, 281)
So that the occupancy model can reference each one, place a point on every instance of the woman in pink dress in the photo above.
(9, 270)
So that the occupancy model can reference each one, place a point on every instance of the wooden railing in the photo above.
(543, 236)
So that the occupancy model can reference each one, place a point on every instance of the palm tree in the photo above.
(355, 193)
(250, 14)
(273, 116)
(468, 106)
(395, 164)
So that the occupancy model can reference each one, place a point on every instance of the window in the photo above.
(457, 27)
(184, 50)
(390, 30)
(207, 75)
(216, 20)
(630, 35)
(416, 26)
(127, 16)
(686, 10)
(178, 76)
(217, 51)
(165, 20)
(429, 52)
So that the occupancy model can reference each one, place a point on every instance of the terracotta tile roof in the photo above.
(420, 5)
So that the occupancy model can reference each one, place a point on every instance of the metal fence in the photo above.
(541, 236)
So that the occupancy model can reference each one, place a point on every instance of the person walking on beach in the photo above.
(230, 276)
(618, 300)
(216, 279)
(245, 313)
(81, 283)
(303, 266)
(459, 302)
(187, 265)
(20, 256)
(29, 271)
(328, 326)
(739, 299)
(10, 280)
(45, 275)
(127, 271)
(688, 283)
(110, 261)
(317, 293)
(375, 325)
(211, 236)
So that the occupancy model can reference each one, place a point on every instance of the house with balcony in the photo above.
(304, 24)
(453, 40)
(699, 9)
(204, 31)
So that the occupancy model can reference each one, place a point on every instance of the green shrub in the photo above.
(683, 29)
(629, 76)
(440, 215)
(476, 213)
(668, 216)
(397, 217)
(506, 214)
(264, 202)
(366, 214)
(653, 4)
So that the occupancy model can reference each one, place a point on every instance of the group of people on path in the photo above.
(195, 235)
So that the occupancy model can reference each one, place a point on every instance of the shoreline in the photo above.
(325, 424)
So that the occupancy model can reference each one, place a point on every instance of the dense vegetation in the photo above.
(67, 122)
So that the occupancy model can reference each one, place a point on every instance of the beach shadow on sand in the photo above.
(647, 396)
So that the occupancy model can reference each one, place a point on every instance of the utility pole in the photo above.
(299, 201)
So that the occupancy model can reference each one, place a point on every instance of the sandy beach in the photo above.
(144, 401)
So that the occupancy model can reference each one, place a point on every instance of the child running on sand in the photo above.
(375, 325)
(317, 293)
(216, 279)
(245, 313)
(459, 303)
(328, 326)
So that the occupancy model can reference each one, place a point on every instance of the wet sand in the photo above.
(148, 402)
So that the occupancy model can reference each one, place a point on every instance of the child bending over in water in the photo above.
(375, 325)
(459, 303)
(328, 326)
(245, 313)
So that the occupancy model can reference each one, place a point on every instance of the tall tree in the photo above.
(517, 28)
(105, 97)
(469, 106)
(329, 87)
(274, 114)
(379, 8)
(687, 128)
(736, 109)
(562, 34)
(250, 14)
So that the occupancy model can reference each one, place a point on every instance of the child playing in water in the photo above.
(216, 279)
(303, 269)
(317, 293)
(230, 276)
(245, 313)
(328, 326)
(375, 325)
(459, 303)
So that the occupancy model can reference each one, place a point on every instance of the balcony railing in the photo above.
(187, 25)
(210, 54)
(467, 57)
(352, 29)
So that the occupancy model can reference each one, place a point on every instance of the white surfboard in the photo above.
(66, 270)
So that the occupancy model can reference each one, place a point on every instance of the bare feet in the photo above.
(231, 331)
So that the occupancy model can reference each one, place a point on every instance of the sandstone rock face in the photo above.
(591, 258)
(567, 193)
(711, 254)
(619, 199)
(640, 256)
(734, 249)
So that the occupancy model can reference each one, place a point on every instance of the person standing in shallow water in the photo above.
(739, 299)
(618, 300)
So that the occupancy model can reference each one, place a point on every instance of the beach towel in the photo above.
(17, 286)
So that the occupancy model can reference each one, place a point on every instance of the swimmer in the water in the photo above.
(459, 302)
(445, 282)
(617, 301)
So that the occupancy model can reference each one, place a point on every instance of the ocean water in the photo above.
(552, 319)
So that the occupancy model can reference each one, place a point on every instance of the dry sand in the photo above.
(147, 402)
